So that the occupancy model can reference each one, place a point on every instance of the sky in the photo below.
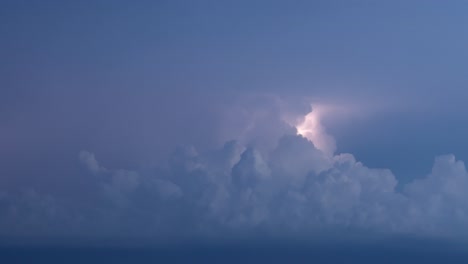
(226, 120)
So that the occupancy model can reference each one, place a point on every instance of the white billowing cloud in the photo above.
(291, 186)
(115, 184)
(89, 160)
(295, 156)
(250, 170)
(119, 185)
(351, 194)
(255, 121)
(441, 197)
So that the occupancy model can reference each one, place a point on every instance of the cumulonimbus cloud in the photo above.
(297, 185)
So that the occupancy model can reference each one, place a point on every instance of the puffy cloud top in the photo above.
(291, 188)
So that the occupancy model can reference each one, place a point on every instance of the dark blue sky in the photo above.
(178, 118)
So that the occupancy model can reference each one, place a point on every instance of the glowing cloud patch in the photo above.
(311, 128)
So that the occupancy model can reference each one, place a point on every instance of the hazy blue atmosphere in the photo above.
(217, 131)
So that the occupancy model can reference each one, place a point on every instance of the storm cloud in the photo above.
(177, 120)
(289, 187)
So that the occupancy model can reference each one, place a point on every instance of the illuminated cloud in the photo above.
(297, 185)
(311, 128)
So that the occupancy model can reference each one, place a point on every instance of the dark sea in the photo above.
(235, 253)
